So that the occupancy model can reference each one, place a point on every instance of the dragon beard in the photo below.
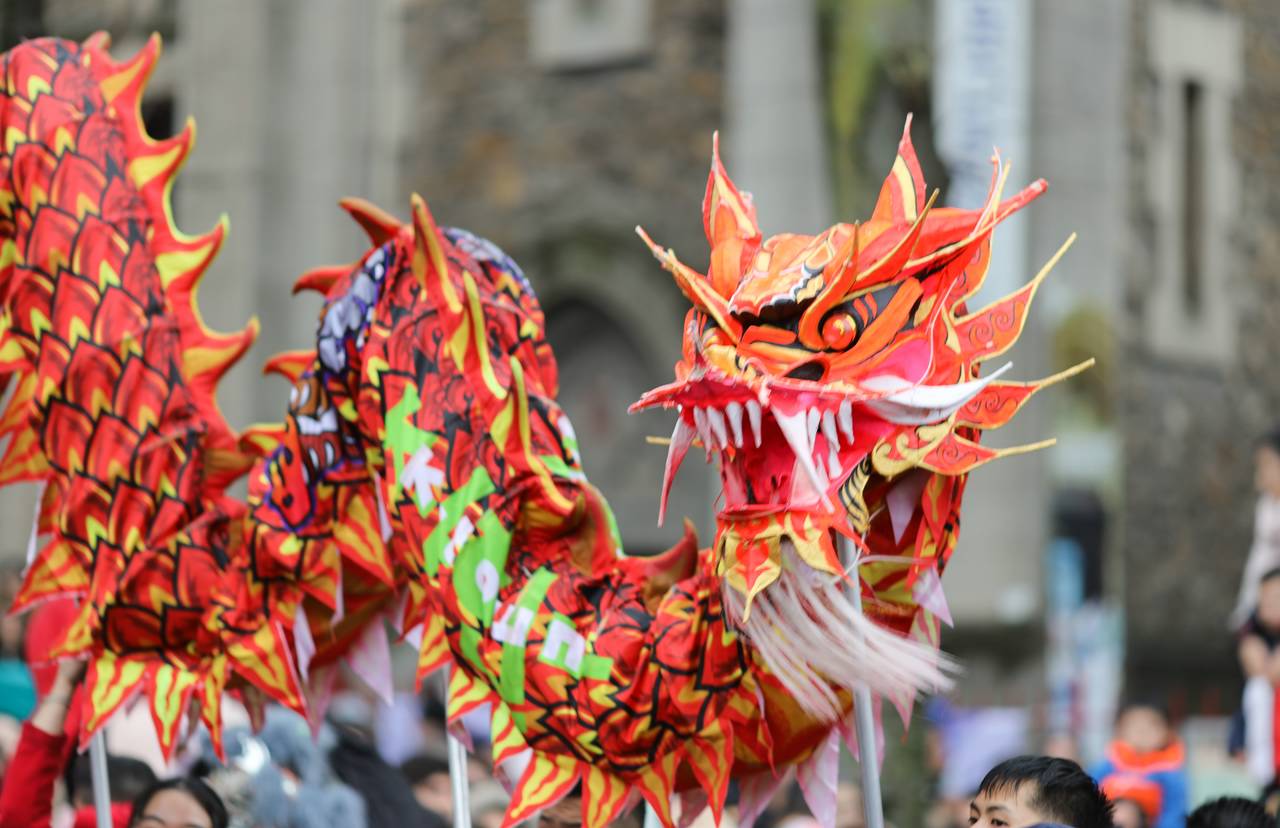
(811, 632)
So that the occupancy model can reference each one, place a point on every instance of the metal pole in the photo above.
(457, 771)
(864, 717)
(98, 771)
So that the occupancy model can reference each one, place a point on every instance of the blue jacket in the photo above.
(1156, 779)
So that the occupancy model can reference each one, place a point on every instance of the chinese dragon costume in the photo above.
(426, 479)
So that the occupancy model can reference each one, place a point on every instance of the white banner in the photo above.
(981, 83)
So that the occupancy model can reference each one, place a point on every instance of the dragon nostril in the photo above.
(813, 370)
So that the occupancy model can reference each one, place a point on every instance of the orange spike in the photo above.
(170, 689)
(695, 287)
(903, 188)
(1000, 401)
(991, 331)
(321, 279)
(261, 439)
(729, 220)
(132, 75)
(290, 364)
(209, 360)
(428, 254)
(98, 40)
(163, 159)
(379, 225)
(187, 262)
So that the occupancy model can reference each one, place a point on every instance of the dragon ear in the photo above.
(729, 219)
(902, 195)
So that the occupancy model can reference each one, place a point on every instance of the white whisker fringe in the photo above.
(816, 640)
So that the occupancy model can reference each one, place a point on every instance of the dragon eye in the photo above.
(839, 331)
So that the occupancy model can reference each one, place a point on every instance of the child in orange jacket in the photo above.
(1146, 763)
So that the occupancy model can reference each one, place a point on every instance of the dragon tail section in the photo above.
(114, 378)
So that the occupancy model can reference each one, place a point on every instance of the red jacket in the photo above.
(26, 799)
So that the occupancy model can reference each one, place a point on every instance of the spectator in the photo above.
(129, 778)
(17, 688)
(1264, 554)
(1260, 662)
(280, 777)
(1270, 798)
(389, 801)
(488, 804)
(185, 801)
(1146, 764)
(26, 800)
(428, 775)
(1027, 790)
(1230, 812)
(1125, 813)
(849, 807)
(10, 732)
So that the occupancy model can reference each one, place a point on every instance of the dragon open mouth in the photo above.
(786, 449)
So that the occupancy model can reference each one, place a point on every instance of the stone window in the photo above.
(588, 34)
(1193, 181)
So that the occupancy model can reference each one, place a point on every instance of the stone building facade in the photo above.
(1200, 328)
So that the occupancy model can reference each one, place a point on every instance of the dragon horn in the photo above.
(903, 188)
(321, 279)
(428, 255)
(379, 225)
(729, 220)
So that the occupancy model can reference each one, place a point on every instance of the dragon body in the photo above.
(426, 477)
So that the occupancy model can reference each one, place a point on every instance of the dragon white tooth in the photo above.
(833, 462)
(704, 432)
(829, 430)
(734, 411)
(716, 420)
(793, 429)
(811, 426)
(754, 414)
(681, 439)
(845, 415)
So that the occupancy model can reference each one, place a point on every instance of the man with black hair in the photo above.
(1230, 812)
(1030, 790)
(428, 774)
(129, 778)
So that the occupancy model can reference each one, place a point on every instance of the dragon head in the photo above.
(836, 379)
